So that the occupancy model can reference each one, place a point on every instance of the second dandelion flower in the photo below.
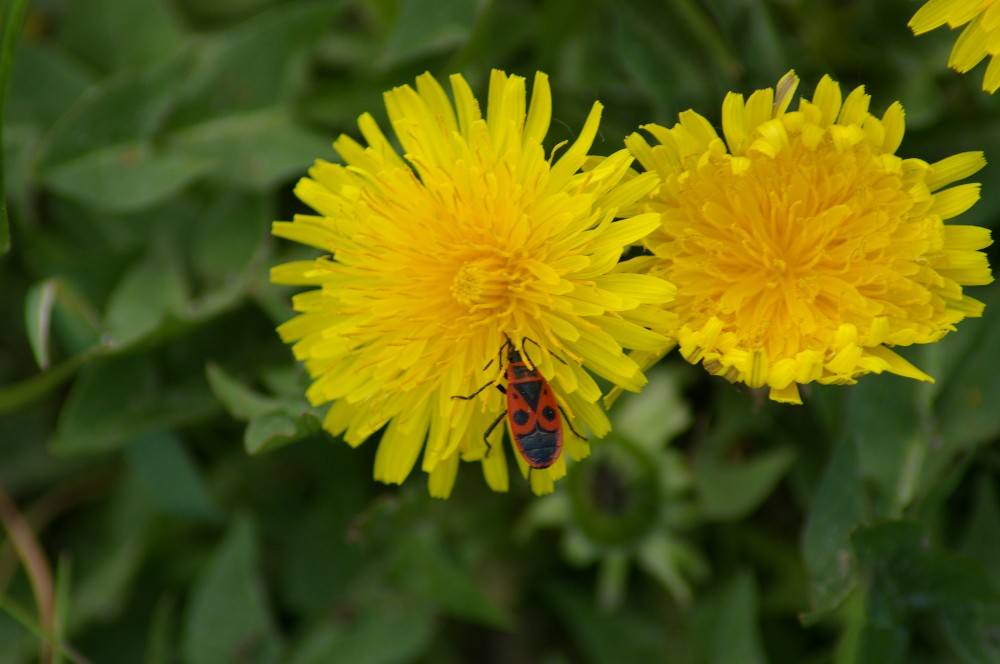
(804, 248)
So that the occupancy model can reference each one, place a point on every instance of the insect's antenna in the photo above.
(499, 357)
(524, 347)
(524, 340)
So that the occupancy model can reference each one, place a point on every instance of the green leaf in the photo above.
(332, 525)
(151, 291)
(171, 476)
(394, 630)
(256, 65)
(220, 11)
(730, 633)
(657, 414)
(672, 561)
(729, 491)
(982, 539)
(160, 646)
(836, 511)
(966, 399)
(104, 150)
(887, 414)
(904, 573)
(45, 301)
(20, 143)
(762, 34)
(123, 178)
(612, 576)
(274, 423)
(228, 618)
(882, 645)
(44, 83)
(427, 26)
(901, 554)
(116, 115)
(656, 56)
(252, 150)
(428, 570)
(38, 319)
(231, 238)
(240, 401)
(972, 633)
(105, 586)
(340, 105)
(116, 399)
(272, 431)
(112, 36)
(623, 636)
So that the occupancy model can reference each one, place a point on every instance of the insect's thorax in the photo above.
(530, 389)
(517, 370)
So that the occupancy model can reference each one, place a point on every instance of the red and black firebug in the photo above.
(532, 410)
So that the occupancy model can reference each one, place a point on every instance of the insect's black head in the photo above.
(513, 355)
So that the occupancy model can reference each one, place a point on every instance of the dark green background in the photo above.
(148, 144)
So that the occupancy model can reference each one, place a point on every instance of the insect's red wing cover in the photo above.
(520, 413)
(547, 412)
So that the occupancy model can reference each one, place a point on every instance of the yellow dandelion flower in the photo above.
(438, 256)
(805, 246)
(980, 38)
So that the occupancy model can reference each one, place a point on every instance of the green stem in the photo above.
(10, 29)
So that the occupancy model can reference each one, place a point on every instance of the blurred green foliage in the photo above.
(147, 146)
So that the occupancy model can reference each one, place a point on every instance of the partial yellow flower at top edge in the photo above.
(436, 257)
(980, 38)
(806, 248)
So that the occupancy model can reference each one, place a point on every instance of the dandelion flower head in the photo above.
(980, 38)
(802, 246)
(437, 254)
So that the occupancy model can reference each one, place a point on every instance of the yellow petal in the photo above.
(956, 200)
(954, 168)
(788, 394)
(442, 478)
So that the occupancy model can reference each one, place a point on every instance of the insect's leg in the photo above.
(474, 394)
(569, 424)
(499, 357)
(486, 436)
(499, 361)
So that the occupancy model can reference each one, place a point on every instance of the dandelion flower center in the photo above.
(483, 283)
(798, 243)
